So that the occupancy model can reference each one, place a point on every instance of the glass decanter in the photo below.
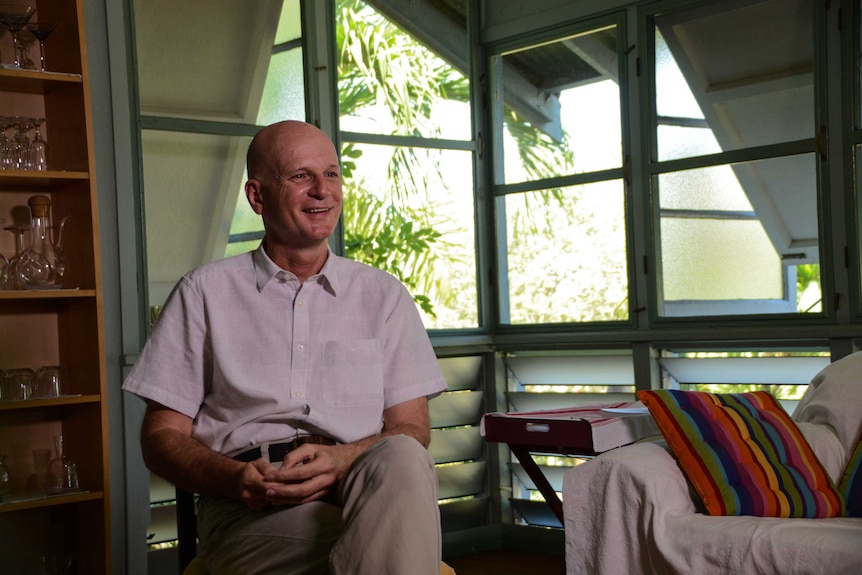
(34, 273)
(5, 271)
(27, 268)
(62, 472)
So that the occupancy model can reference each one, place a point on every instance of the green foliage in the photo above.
(388, 239)
(807, 275)
(390, 78)
(382, 69)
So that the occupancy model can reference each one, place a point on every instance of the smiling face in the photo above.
(295, 185)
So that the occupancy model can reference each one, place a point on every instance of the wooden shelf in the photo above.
(37, 501)
(35, 82)
(16, 180)
(46, 294)
(52, 402)
(62, 327)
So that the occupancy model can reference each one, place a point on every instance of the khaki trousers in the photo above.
(387, 522)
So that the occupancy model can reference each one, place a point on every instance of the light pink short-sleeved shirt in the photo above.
(253, 356)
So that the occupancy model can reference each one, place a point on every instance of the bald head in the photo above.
(276, 140)
(294, 184)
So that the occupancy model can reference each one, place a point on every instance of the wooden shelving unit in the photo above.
(57, 327)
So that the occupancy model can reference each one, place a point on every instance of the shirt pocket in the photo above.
(353, 373)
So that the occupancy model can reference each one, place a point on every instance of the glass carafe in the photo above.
(25, 264)
(36, 276)
(62, 473)
(5, 274)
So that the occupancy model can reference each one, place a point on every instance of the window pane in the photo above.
(697, 262)
(858, 151)
(744, 235)
(785, 373)
(191, 182)
(567, 255)
(562, 107)
(389, 83)
(289, 23)
(748, 72)
(409, 211)
(284, 92)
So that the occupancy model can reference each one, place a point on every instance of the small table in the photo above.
(574, 432)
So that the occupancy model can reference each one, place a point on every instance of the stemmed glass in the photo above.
(7, 147)
(13, 17)
(40, 31)
(38, 147)
(21, 144)
(24, 44)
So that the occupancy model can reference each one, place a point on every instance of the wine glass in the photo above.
(24, 44)
(38, 146)
(41, 30)
(21, 144)
(7, 147)
(13, 17)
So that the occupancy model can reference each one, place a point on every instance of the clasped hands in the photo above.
(307, 473)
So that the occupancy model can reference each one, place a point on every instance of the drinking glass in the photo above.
(18, 384)
(48, 382)
(13, 17)
(41, 30)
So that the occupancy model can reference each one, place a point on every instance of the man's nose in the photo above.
(319, 188)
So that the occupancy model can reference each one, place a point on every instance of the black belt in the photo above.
(277, 451)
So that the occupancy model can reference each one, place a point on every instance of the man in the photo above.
(289, 387)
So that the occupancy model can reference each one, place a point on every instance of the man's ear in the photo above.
(254, 195)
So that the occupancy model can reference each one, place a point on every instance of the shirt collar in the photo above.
(265, 270)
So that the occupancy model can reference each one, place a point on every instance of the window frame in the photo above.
(653, 167)
(499, 189)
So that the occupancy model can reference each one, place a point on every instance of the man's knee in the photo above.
(400, 462)
(403, 450)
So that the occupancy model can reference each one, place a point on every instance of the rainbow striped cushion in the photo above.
(743, 454)
(851, 484)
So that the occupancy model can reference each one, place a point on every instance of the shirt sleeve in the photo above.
(411, 368)
(172, 367)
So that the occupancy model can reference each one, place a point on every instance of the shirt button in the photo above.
(298, 394)
(300, 347)
(299, 303)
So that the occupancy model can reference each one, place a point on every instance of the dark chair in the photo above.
(187, 531)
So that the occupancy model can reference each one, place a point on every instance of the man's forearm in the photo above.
(189, 464)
